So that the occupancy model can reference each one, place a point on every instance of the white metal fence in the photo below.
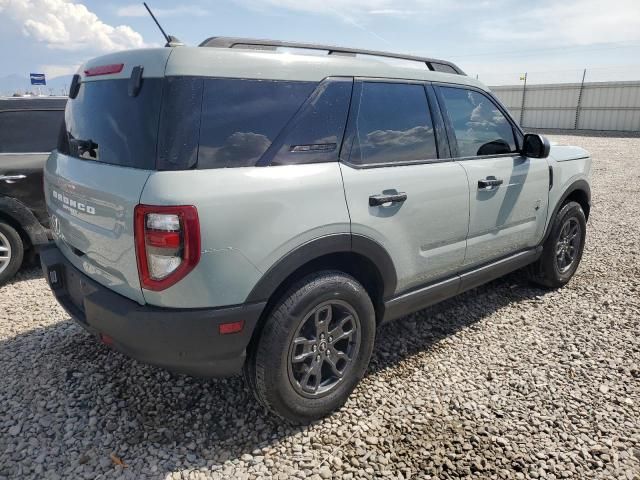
(581, 106)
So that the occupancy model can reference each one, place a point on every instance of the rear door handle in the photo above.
(12, 178)
(489, 182)
(377, 200)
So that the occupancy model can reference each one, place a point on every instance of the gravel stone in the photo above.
(505, 381)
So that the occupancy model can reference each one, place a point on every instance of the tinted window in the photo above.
(180, 123)
(317, 129)
(29, 130)
(393, 124)
(105, 124)
(240, 118)
(480, 128)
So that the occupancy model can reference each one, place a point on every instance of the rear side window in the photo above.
(479, 126)
(315, 132)
(241, 118)
(28, 131)
(393, 124)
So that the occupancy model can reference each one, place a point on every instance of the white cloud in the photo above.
(64, 25)
(340, 7)
(390, 8)
(137, 10)
(349, 11)
(550, 22)
(571, 22)
(53, 71)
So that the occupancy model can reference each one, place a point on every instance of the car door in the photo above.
(26, 138)
(508, 192)
(398, 191)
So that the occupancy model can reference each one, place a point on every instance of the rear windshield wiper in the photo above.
(82, 148)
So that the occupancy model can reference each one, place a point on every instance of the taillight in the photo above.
(104, 69)
(167, 244)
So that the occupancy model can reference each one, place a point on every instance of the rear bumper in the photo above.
(184, 340)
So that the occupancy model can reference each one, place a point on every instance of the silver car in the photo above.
(240, 207)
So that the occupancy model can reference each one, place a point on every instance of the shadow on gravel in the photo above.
(111, 403)
(28, 271)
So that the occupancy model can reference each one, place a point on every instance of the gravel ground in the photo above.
(506, 381)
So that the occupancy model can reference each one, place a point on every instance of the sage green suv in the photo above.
(244, 206)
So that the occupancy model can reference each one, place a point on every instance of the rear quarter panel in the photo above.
(249, 219)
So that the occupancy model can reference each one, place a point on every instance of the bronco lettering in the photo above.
(73, 205)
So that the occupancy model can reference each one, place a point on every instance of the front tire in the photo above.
(314, 348)
(562, 250)
(11, 252)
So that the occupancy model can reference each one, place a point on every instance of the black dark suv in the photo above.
(29, 130)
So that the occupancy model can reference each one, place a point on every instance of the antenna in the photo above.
(171, 40)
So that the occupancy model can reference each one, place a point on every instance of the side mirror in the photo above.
(535, 146)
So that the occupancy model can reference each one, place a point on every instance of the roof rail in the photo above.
(235, 42)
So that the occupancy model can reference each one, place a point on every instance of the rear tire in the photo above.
(562, 250)
(11, 252)
(314, 348)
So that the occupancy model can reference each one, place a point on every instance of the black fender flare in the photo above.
(18, 212)
(578, 185)
(320, 247)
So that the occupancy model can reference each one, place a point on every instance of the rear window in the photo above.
(29, 131)
(241, 118)
(105, 124)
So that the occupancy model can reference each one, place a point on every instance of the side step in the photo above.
(423, 297)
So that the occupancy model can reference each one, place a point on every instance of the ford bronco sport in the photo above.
(236, 207)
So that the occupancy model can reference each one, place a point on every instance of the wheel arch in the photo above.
(16, 214)
(359, 256)
(578, 191)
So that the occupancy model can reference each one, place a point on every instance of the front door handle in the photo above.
(489, 182)
(377, 200)
(12, 178)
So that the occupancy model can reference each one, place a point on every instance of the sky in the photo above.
(495, 39)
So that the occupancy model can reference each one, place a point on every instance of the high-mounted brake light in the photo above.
(104, 69)
(167, 244)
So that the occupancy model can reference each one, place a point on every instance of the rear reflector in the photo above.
(232, 327)
(106, 339)
(104, 69)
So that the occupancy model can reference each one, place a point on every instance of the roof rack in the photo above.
(234, 42)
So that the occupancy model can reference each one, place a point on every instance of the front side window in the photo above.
(393, 124)
(480, 128)
(29, 130)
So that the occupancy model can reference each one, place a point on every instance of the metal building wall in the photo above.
(588, 106)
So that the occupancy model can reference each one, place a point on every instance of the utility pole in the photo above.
(575, 125)
(524, 92)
